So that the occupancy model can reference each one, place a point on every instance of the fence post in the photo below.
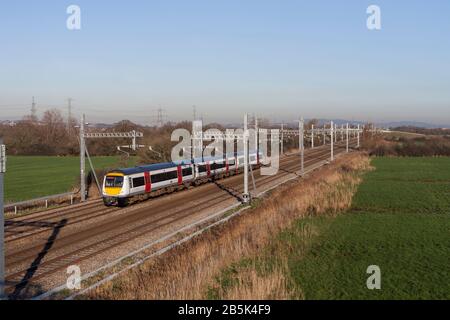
(312, 136)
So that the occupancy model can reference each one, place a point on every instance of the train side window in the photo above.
(155, 178)
(172, 175)
(187, 172)
(164, 176)
(202, 168)
(219, 165)
(138, 182)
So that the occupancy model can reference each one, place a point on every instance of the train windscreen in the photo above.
(114, 182)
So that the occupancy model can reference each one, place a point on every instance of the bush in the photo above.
(408, 147)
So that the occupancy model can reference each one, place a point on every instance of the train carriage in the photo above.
(122, 184)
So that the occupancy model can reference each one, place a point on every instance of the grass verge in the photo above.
(190, 271)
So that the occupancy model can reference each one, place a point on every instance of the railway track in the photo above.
(40, 259)
(20, 230)
(16, 227)
(25, 226)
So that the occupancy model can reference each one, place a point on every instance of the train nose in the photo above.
(113, 184)
(113, 191)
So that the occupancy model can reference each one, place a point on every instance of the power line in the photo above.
(69, 113)
(33, 109)
(160, 117)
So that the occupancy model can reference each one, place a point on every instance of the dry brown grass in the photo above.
(190, 270)
(251, 285)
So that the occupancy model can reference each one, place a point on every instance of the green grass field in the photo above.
(29, 177)
(400, 221)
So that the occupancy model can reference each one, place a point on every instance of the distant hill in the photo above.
(416, 124)
(390, 124)
(340, 122)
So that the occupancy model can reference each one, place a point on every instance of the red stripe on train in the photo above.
(180, 175)
(148, 182)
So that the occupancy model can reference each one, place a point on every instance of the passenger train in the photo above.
(121, 185)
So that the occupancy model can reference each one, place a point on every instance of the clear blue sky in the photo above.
(280, 59)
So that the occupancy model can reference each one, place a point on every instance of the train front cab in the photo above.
(114, 186)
